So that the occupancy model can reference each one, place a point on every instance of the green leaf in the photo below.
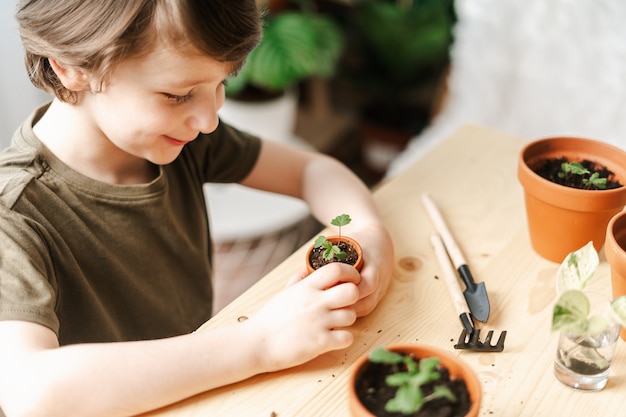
(595, 325)
(331, 251)
(577, 269)
(570, 312)
(618, 310)
(570, 315)
(382, 355)
(429, 364)
(341, 255)
(295, 46)
(441, 391)
(319, 241)
(341, 220)
(595, 179)
(574, 167)
(406, 401)
(398, 379)
(424, 377)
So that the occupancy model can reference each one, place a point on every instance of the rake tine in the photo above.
(461, 343)
(487, 340)
(500, 344)
(475, 338)
(474, 342)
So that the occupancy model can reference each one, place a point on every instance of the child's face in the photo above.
(152, 106)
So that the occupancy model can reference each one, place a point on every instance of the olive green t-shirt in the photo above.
(97, 262)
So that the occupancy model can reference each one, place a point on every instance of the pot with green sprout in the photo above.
(337, 248)
(413, 380)
(572, 188)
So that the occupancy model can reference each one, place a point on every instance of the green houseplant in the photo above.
(395, 63)
(588, 323)
(298, 43)
(300, 49)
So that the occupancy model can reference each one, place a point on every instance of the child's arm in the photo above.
(37, 378)
(331, 189)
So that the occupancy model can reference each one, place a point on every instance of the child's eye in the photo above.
(179, 99)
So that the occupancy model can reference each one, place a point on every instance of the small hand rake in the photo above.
(474, 343)
(470, 336)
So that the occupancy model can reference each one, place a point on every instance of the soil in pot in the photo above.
(551, 168)
(374, 393)
(317, 255)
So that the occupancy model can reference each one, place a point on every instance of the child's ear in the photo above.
(72, 78)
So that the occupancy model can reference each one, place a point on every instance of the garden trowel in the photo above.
(470, 336)
(475, 294)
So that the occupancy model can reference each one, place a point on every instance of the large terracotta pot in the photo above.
(334, 239)
(562, 219)
(615, 251)
(458, 370)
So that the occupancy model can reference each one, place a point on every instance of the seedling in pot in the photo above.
(333, 251)
(410, 397)
(577, 168)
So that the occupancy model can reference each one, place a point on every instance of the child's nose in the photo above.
(203, 116)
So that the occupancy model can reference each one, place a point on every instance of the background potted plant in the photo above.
(395, 64)
(407, 379)
(562, 218)
(299, 44)
(338, 248)
(588, 323)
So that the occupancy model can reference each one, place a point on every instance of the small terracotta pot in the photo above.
(615, 251)
(458, 370)
(334, 239)
(563, 219)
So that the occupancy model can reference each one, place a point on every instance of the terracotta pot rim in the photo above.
(612, 246)
(616, 257)
(422, 350)
(568, 197)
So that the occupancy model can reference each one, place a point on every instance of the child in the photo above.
(105, 261)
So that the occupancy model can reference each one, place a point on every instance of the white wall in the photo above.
(534, 68)
(18, 97)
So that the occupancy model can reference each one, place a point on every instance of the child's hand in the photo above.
(308, 318)
(377, 268)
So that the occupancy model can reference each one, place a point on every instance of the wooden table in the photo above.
(472, 178)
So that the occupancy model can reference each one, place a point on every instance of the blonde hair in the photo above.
(95, 35)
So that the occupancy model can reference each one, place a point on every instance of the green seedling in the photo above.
(578, 169)
(595, 179)
(410, 397)
(333, 251)
(573, 168)
(341, 220)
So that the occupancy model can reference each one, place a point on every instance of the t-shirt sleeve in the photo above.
(225, 155)
(25, 292)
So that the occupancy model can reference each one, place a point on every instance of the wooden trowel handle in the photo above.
(442, 228)
(452, 282)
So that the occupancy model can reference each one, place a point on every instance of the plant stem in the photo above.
(591, 351)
